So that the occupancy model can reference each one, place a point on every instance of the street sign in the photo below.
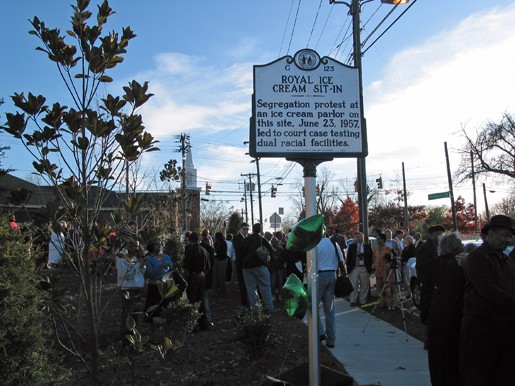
(436, 196)
(275, 219)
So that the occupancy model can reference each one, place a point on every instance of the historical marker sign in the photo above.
(436, 196)
(306, 107)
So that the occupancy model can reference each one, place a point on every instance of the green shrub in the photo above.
(179, 318)
(25, 357)
(256, 331)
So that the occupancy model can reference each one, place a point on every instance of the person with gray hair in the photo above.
(441, 309)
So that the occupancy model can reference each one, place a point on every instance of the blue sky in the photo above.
(444, 65)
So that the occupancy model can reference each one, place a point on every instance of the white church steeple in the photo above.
(191, 172)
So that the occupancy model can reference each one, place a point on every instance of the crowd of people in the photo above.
(467, 297)
(209, 263)
(260, 263)
(468, 305)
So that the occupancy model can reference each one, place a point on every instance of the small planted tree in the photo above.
(84, 150)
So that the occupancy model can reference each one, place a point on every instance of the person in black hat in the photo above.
(428, 251)
(487, 343)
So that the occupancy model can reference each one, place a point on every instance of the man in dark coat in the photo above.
(359, 267)
(428, 251)
(196, 265)
(236, 242)
(425, 254)
(441, 308)
(255, 270)
(487, 344)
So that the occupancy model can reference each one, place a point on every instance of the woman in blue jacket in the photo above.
(157, 264)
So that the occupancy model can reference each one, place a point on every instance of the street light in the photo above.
(394, 1)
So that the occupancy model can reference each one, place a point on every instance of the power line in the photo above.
(314, 22)
(323, 28)
(391, 25)
(286, 28)
(378, 25)
(293, 30)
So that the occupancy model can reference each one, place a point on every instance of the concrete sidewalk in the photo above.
(377, 353)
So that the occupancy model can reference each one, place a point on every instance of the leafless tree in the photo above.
(492, 150)
(213, 214)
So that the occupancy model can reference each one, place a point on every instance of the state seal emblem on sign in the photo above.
(307, 59)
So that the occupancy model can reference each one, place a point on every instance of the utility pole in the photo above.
(406, 215)
(250, 175)
(486, 204)
(473, 176)
(259, 192)
(451, 193)
(245, 196)
(184, 146)
(355, 10)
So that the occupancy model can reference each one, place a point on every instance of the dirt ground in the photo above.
(216, 357)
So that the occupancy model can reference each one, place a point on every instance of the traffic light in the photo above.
(208, 189)
(356, 186)
(318, 190)
(273, 192)
(379, 183)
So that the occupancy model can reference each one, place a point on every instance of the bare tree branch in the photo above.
(493, 150)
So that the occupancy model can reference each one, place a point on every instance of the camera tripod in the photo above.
(400, 293)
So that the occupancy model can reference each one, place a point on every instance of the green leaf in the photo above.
(83, 143)
(130, 323)
(16, 124)
(105, 79)
(167, 343)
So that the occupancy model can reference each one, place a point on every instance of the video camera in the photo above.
(391, 260)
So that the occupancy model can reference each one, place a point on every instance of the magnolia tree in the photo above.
(84, 150)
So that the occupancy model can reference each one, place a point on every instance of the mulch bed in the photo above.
(212, 357)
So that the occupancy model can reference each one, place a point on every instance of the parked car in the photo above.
(411, 273)
(477, 243)
(372, 239)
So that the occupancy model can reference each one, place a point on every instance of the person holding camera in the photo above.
(384, 264)
(359, 266)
